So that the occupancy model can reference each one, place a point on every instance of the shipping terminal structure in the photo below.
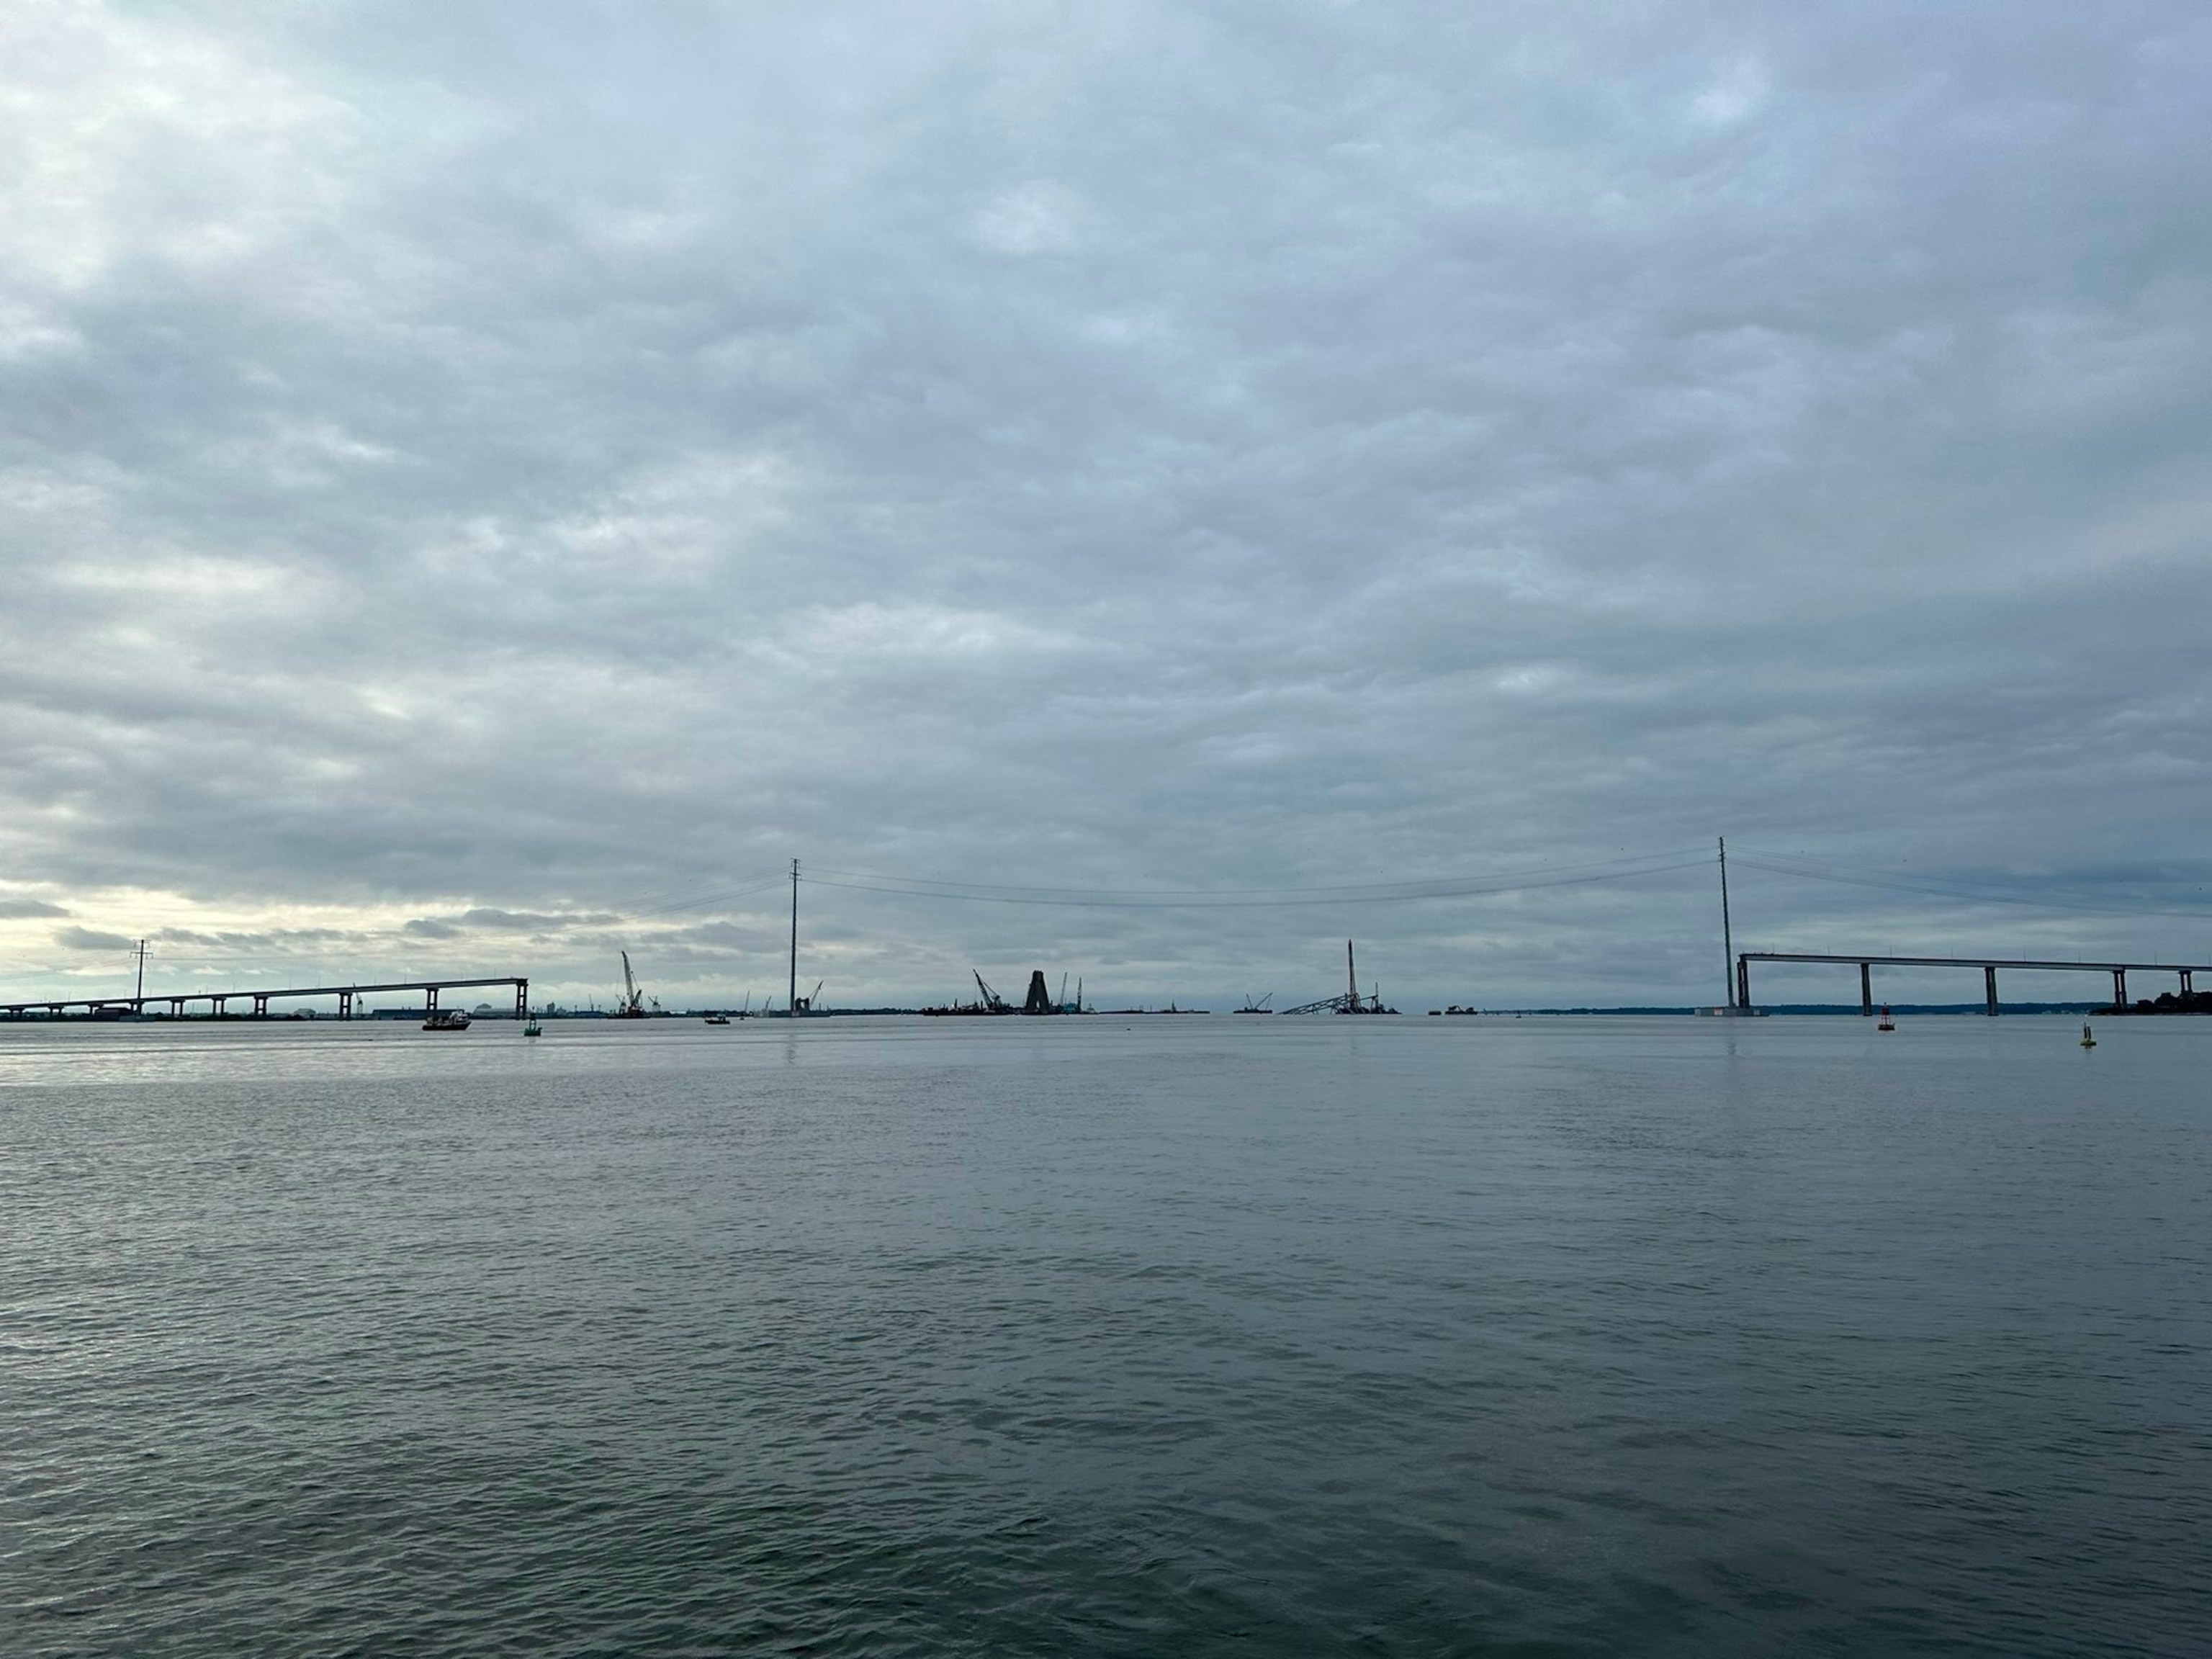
(989, 1003)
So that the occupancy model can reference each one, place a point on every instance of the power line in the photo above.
(720, 897)
(1691, 853)
(1809, 870)
(1231, 899)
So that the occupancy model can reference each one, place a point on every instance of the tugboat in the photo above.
(718, 1019)
(532, 1028)
(447, 1019)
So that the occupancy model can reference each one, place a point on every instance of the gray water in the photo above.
(1202, 1336)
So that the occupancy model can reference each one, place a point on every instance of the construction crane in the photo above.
(633, 1002)
(806, 1004)
(993, 1002)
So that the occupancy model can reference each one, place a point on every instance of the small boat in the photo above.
(718, 1019)
(447, 1019)
(533, 1029)
(2088, 1037)
(1887, 1023)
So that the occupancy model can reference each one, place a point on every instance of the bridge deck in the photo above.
(260, 999)
(1979, 962)
(2186, 972)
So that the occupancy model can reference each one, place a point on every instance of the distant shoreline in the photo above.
(1837, 1010)
(1979, 1010)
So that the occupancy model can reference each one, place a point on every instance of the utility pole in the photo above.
(1728, 936)
(1351, 982)
(139, 996)
(791, 1003)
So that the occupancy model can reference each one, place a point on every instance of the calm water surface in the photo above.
(1200, 1336)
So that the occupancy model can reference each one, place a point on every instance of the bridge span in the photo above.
(219, 1001)
(1989, 965)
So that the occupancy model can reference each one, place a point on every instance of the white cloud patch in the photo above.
(1031, 218)
(1735, 94)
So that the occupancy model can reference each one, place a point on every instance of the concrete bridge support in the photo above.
(1990, 966)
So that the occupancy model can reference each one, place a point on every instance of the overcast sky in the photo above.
(481, 485)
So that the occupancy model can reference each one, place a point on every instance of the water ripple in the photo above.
(1626, 1338)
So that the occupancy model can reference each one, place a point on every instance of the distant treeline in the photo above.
(2173, 1002)
(1854, 1009)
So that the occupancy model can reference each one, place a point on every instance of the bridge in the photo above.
(219, 1001)
(1989, 965)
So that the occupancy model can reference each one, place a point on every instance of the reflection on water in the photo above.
(876, 1336)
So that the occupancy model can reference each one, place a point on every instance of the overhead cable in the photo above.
(1401, 893)
(1809, 870)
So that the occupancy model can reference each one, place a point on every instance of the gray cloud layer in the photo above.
(476, 478)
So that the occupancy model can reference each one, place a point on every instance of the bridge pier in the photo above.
(522, 999)
(1989, 965)
(219, 1008)
(260, 1006)
(430, 991)
(345, 1005)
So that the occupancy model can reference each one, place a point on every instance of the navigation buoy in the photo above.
(2088, 1037)
(1887, 1023)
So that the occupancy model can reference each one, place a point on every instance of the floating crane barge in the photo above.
(989, 1003)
